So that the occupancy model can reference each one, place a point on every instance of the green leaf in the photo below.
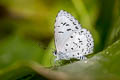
(20, 71)
(103, 65)
(48, 57)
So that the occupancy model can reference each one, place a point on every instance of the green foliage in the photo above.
(14, 49)
(103, 65)
(27, 27)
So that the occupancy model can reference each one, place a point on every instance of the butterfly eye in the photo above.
(55, 53)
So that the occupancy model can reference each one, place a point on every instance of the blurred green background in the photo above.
(27, 27)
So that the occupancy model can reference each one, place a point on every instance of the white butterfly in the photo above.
(71, 40)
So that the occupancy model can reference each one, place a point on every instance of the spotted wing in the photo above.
(65, 25)
(80, 43)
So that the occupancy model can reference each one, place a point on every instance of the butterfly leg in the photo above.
(82, 57)
(56, 60)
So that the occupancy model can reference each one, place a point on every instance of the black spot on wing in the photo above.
(65, 49)
(71, 36)
(68, 29)
(88, 35)
(74, 43)
(82, 50)
(76, 27)
(66, 44)
(60, 32)
(58, 26)
(90, 43)
(64, 23)
(72, 48)
(74, 23)
(61, 22)
(82, 31)
(78, 38)
(71, 20)
(67, 25)
(80, 41)
(79, 33)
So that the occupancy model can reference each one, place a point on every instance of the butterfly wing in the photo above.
(65, 24)
(80, 43)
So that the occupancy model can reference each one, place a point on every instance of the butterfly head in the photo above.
(55, 53)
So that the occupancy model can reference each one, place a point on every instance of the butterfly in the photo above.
(71, 40)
